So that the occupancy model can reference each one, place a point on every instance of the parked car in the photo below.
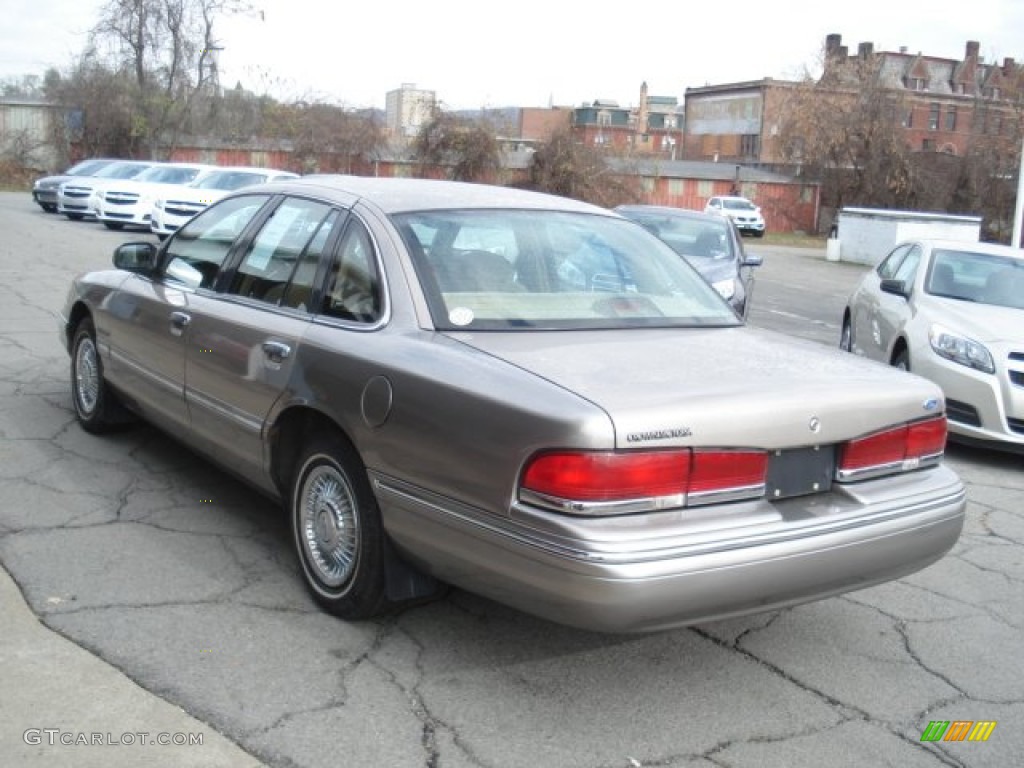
(952, 312)
(44, 190)
(747, 216)
(129, 202)
(523, 395)
(710, 244)
(78, 198)
(172, 209)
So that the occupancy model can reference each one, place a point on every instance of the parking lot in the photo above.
(183, 578)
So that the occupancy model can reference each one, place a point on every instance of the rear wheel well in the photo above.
(294, 429)
(292, 433)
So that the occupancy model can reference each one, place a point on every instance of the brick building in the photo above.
(948, 103)
(653, 127)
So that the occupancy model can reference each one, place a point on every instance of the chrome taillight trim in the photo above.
(890, 468)
(739, 493)
(601, 508)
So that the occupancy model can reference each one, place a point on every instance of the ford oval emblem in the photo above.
(931, 404)
(814, 424)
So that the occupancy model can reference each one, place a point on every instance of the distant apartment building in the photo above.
(948, 103)
(653, 127)
(407, 109)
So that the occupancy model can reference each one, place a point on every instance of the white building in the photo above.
(408, 108)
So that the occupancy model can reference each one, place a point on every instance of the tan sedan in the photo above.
(522, 395)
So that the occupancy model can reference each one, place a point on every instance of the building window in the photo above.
(928, 145)
(806, 194)
(933, 118)
(991, 93)
(750, 145)
(705, 188)
(908, 118)
(950, 118)
(997, 124)
(918, 84)
(647, 184)
(675, 187)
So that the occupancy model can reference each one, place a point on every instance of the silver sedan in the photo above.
(952, 312)
(522, 395)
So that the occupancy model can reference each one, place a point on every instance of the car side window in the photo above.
(353, 287)
(195, 253)
(907, 270)
(299, 290)
(274, 254)
(887, 269)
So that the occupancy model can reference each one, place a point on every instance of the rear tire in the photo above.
(337, 530)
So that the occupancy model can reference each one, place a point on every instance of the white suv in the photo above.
(747, 216)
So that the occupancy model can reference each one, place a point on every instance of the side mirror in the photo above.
(895, 287)
(135, 257)
(752, 260)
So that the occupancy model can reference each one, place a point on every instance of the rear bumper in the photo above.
(663, 572)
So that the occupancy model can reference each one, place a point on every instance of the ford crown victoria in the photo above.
(525, 396)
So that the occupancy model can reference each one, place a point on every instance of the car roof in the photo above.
(396, 195)
(667, 210)
(966, 245)
(251, 169)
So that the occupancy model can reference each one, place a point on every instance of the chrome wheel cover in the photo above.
(329, 525)
(87, 376)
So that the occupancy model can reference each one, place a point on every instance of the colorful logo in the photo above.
(958, 730)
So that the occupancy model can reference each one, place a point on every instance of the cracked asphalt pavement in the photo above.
(168, 569)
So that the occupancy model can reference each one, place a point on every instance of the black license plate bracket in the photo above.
(800, 471)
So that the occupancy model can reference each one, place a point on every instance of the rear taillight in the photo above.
(605, 483)
(900, 449)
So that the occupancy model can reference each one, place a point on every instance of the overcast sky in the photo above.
(532, 52)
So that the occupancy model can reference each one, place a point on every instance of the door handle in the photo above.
(179, 322)
(276, 351)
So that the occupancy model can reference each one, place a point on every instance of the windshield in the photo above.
(230, 180)
(122, 170)
(734, 204)
(542, 269)
(983, 278)
(87, 167)
(165, 174)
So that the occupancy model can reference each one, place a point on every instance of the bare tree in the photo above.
(564, 166)
(468, 150)
(845, 130)
(168, 50)
(98, 107)
(326, 138)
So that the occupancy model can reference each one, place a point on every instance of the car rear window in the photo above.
(546, 269)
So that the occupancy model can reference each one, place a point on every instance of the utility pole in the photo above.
(1018, 214)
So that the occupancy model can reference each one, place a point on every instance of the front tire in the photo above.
(96, 406)
(902, 360)
(846, 337)
(337, 531)
(116, 225)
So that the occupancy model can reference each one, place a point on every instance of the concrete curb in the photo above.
(62, 706)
